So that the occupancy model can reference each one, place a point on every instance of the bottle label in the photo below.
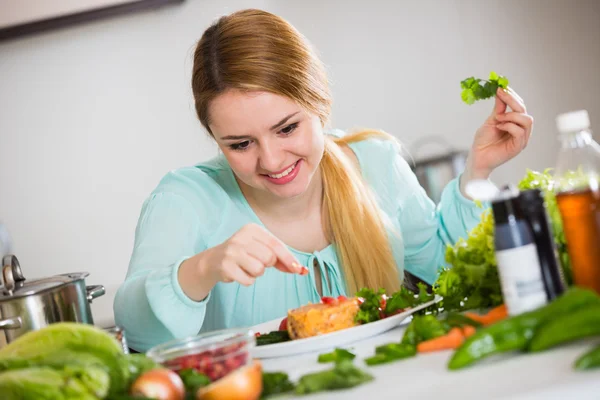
(521, 278)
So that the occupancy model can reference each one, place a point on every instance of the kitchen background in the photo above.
(92, 116)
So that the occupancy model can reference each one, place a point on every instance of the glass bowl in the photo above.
(214, 354)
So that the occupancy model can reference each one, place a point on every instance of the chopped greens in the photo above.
(370, 307)
(424, 327)
(391, 352)
(336, 356)
(272, 337)
(275, 383)
(343, 375)
(376, 305)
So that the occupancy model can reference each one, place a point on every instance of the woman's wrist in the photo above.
(194, 277)
(472, 172)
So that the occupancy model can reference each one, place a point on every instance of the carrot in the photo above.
(468, 330)
(494, 315)
(451, 340)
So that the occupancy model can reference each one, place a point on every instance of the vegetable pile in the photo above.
(472, 281)
(79, 361)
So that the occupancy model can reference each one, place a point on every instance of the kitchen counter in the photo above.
(546, 375)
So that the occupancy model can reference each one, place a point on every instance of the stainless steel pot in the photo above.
(31, 305)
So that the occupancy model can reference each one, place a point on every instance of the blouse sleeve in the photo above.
(150, 304)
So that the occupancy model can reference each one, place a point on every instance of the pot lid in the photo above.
(13, 283)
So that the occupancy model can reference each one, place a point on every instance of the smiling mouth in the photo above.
(284, 173)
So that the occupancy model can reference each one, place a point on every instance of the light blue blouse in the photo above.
(198, 207)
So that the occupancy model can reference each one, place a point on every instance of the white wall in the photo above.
(92, 116)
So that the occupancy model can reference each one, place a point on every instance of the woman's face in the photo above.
(272, 144)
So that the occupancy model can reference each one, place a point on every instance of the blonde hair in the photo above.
(253, 50)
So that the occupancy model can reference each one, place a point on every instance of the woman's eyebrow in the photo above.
(283, 121)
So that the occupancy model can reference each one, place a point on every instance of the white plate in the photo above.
(329, 340)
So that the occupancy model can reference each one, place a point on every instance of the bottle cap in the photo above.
(573, 121)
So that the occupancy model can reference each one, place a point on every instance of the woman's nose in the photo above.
(271, 157)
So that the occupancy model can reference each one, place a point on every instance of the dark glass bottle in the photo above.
(534, 208)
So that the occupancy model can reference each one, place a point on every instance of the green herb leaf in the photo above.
(473, 89)
(193, 380)
(369, 308)
(424, 327)
(391, 352)
(275, 383)
(272, 337)
(343, 375)
(336, 356)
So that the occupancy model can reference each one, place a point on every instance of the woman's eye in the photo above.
(289, 129)
(241, 145)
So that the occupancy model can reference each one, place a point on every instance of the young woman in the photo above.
(289, 212)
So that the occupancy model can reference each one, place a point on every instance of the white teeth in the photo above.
(284, 173)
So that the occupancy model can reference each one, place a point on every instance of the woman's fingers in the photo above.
(512, 100)
(233, 272)
(287, 262)
(518, 133)
(521, 119)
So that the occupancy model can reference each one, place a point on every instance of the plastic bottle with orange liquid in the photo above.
(577, 180)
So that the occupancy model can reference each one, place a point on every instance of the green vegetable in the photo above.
(473, 90)
(275, 383)
(404, 298)
(454, 319)
(581, 323)
(514, 333)
(424, 327)
(272, 337)
(472, 281)
(72, 345)
(193, 380)
(391, 352)
(589, 360)
(343, 375)
(370, 307)
(336, 356)
(377, 305)
(40, 383)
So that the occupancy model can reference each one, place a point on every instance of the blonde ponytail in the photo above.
(354, 221)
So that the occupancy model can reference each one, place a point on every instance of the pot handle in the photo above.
(10, 323)
(94, 291)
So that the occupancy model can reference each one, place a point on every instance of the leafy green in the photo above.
(272, 337)
(376, 305)
(391, 352)
(370, 307)
(342, 375)
(474, 89)
(455, 319)
(275, 383)
(193, 380)
(336, 356)
(471, 281)
(69, 344)
(424, 327)
(41, 383)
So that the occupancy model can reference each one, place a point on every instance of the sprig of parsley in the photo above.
(474, 89)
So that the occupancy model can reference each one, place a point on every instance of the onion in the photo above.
(160, 384)
(242, 384)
